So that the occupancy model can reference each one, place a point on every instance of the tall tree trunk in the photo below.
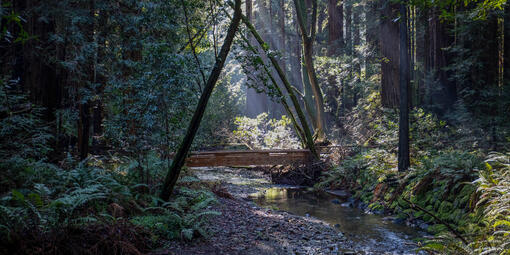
(335, 27)
(308, 38)
(356, 41)
(372, 36)
(180, 157)
(389, 30)
(348, 28)
(442, 97)
(37, 73)
(84, 102)
(422, 46)
(506, 47)
(403, 131)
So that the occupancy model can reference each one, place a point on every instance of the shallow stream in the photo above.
(365, 233)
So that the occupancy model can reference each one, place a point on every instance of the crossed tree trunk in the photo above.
(302, 128)
(180, 157)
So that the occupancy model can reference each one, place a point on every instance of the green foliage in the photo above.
(183, 218)
(68, 199)
(489, 234)
(57, 199)
(23, 135)
(261, 133)
(479, 8)
(39, 198)
(9, 18)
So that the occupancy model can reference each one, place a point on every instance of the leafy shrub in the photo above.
(263, 133)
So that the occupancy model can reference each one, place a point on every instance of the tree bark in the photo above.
(335, 27)
(506, 47)
(356, 41)
(389, 46)
(348, 28)
(403, 132)
(180, 157)
(308, 38)
(372, 37)
(442, 97)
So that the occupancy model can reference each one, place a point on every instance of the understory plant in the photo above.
(490, 233)
(101, 205)
(264, 133)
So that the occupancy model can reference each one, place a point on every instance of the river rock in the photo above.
(343, 194)
(346, 204)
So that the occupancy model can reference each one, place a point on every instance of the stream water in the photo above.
(365, 233)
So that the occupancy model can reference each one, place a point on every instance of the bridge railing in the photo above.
(248, 158)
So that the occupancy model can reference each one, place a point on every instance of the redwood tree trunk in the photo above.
(441, 97)
(403, 131)
(335, 27)
(389, 31)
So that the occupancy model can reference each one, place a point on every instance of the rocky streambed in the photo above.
(262, 218)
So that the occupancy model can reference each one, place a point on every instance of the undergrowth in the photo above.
(453, 189)
(97, 206)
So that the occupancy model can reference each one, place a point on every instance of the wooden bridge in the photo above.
(248, 158)
(253, 157)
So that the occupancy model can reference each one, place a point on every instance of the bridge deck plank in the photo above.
(248, 158)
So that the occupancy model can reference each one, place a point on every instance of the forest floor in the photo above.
(245, 228)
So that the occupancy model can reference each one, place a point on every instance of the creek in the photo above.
(365, 233)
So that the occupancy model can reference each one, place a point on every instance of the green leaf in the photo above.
(18, 196)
